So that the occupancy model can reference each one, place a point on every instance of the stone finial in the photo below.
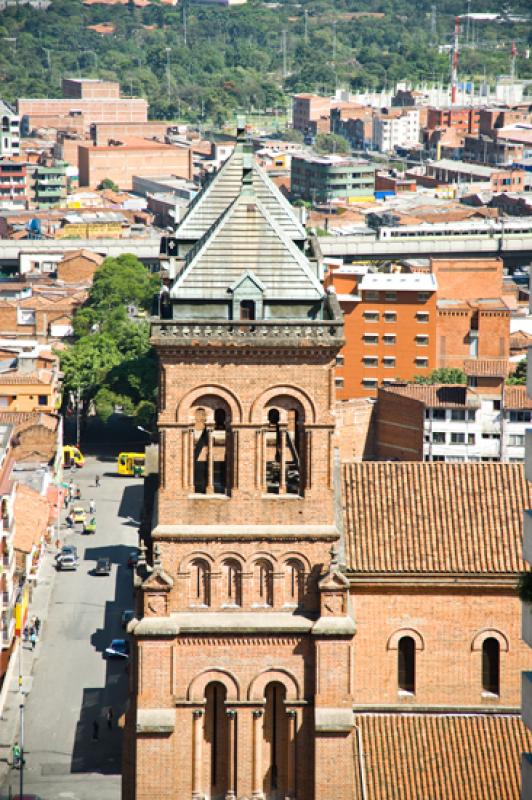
(141, 562)
(333, 565)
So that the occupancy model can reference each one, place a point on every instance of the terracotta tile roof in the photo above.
(441, 757)
(516, 397)
(519, 340)
(439, 395)
(434, 518)
(31, 513)
(26, 419)
(486, 367)
(41, 377)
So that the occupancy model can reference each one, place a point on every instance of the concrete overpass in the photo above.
(12, 250)
(515, 249)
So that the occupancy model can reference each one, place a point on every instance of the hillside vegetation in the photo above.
(246, 57)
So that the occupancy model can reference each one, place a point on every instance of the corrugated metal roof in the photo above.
(247, 238)
(213, 200)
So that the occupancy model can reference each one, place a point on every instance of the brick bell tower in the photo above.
(242, 657)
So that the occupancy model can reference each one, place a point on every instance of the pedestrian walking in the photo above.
(97, 481)
(92, 506)
(33, 639)
(71, 487)
(17, 755)
(95, 731)
(26, 633)
(110, 717)
(37, 625)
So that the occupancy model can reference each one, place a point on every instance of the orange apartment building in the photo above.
(390, 328)
(463, 120)
(400, 325)
(138, 157)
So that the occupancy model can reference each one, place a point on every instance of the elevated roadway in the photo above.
(10, 249)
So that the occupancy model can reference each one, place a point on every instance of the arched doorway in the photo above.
(216, 739)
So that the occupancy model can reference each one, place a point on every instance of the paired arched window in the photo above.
(491, 666)
(231, 583)
(211, 444)
(200, 583)
(406, 664)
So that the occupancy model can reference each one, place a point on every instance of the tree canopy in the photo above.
(443, 375)
(518, 377)
(110, 361)
(243, 58)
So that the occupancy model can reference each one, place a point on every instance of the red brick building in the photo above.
(119, 162)
(304, 631)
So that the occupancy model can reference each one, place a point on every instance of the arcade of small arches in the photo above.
(211, 417)
(270, 716)
(231, 582)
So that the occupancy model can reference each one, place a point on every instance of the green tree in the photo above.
(443, 375)
(518, 377)
(107, 183)
(332, 143)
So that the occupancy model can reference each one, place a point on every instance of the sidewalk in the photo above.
(25, 660)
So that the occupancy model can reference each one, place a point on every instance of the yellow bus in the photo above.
(131, 464)
(72, 455)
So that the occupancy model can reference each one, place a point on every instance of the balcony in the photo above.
(286, 333)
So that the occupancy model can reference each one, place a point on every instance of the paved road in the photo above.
(73, 684)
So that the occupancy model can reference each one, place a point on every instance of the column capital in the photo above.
(257, 713)
(197, 713)
(231, 713)
(291, 713)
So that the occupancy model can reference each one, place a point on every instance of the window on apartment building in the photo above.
(369, 383)
(457, 438)
(371, 316)
(43, 399)
(371, 338)
(422, 340)
(406, 664)
(438, 437)
(340, 360)
(472, 381)
(390, 297)
(389, 338)
(389, 382)
(339, 383)
(390, 316)
(25, 316)
(423, 297)
(491, 665)
(422, 362)
(491, 435)
(439, 413)
(388, 361)
(458, 414)
(496, 405)
(455, 459)
(471, 438)
(422, 316)
(370, 361)
(520, 416)
(371, 296)
(516, 441)
(436, 458)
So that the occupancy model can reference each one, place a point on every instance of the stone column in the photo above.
(197, 741)
(210, 463)
(231, 755)
(256, 769)
(282, 466)
(291, 776)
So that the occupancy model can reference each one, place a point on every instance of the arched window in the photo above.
(211, 447)
(264, 583)
(231, 583)
(406, 664)
(491, 665)
(200, 583)
(215, 733)
(283, 449)
(294, 576)
(276, 736)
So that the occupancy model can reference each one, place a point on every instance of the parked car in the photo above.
(90, 526)
(119, 648)
(127, 615)
(133, 558)
(66, 550)
(79, 514)
(103, 566)
(68, 562)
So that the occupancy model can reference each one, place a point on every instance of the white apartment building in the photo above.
(453, 423)
(9, 132)
(390, 132)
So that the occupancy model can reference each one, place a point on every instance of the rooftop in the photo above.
(413, 756)
(443, 395)
(399, 281)
(437, 518)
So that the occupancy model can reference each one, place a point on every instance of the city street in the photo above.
(73, 684)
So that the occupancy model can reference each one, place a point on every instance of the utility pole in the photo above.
(334, 43)
(185, 23)
(285, 71)
(454, 63)
(306, 26)
(21, 776)
(78, 415)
